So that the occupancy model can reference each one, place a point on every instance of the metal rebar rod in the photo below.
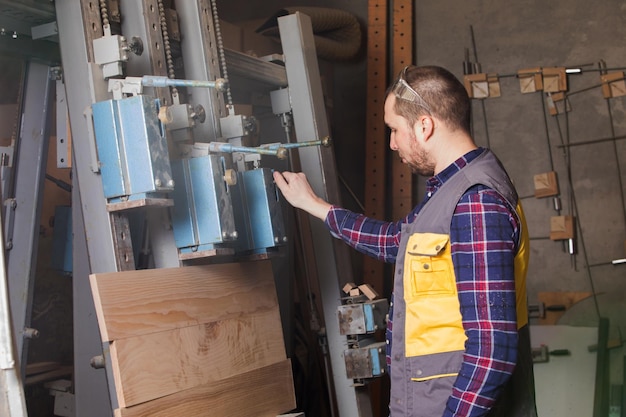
(229, 148)
(162, 81)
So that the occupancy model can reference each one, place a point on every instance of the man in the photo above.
(458, 340)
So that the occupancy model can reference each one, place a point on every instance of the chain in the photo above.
(104, 12)
(220, 50)
(166, 43)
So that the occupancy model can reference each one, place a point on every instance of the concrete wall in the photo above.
(510, 36)
(516, 35)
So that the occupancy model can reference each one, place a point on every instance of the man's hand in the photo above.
(298, 192)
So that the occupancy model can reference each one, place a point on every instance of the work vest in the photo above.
(428, 335)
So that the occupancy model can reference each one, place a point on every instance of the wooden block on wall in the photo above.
(482, 85)
(561, 227)
(557, 103)
(546, 184)
(613, 84)
(530, 80)
(554, 79)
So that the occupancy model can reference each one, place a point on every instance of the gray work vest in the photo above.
(422, 384)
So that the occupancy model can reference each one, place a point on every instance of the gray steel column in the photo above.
(29, 174)
(318, 163)
(94, 248)
(139, 17)
(201, 60)
(91, 386)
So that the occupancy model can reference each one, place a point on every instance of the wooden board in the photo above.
(402, 55)
(145, 301)
(267, 391)
(195, 355)
(184, 332)
(375, 137)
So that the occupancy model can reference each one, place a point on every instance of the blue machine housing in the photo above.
(202, 215)
(132, 149)
(258, 212)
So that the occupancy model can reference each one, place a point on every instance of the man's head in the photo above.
(428, 112)
(435, 91)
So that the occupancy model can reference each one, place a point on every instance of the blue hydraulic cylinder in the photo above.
(258, 212)
(202, 215)
(132, 149)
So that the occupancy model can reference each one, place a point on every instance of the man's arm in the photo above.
(298, 192)
(372, 237)
(483, 235)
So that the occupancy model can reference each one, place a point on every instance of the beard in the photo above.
(419, 161)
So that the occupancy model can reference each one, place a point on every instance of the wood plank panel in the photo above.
(159, 364)
(402, 55)
(133, 303)
(264, 392)
(375, 141)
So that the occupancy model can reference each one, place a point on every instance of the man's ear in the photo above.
(424, 127)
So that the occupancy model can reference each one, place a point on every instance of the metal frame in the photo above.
(29, 177)
(331, 256)
(90, 218)
(97, 242)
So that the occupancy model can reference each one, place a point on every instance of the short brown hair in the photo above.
(445, 94)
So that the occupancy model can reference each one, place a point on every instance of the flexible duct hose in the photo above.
(337, 33)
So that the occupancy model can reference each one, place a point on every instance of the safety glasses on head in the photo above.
(404, 91)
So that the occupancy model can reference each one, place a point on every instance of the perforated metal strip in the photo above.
(375, 138)
(402, 55)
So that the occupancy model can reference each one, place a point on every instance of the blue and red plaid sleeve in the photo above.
(483, 235)
(372, 237)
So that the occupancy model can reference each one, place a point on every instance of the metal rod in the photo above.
(547, 131)
(162, 81)
(592, 141)
(325, 141)
(617, 161)
(228, 148)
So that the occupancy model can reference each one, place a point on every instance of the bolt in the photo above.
(170, 183)
(157, 182)
(97, 362)
(30, 333)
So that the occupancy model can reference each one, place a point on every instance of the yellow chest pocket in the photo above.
(433, 317)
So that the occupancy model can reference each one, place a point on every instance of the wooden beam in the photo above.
(194, 355)
(146, 301)
(402, 55)
(375, 140)
(268, 391)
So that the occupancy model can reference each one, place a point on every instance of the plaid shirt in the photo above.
(484, 233)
